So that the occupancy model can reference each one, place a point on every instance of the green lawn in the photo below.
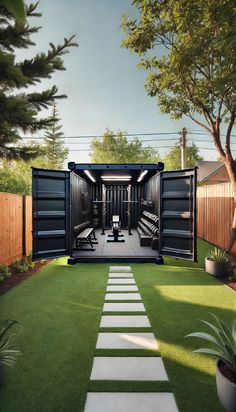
(60, 309)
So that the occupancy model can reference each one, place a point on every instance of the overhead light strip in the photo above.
(141, 176)
(116, 177)
(87, 172)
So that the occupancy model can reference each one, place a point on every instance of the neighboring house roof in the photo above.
(207, 169)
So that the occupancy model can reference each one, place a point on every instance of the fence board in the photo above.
(28, 224)
(10, 227)
(215, 207)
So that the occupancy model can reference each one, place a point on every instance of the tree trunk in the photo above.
(231, 169)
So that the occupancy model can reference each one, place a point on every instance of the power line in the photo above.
(147, 140)
(128, 135)
(100, 136)
(115, 150)
(140, 140)
(151, 147)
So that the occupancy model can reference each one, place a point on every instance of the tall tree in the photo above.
(55, 151)
(115, 148)
(172, 160)
(192, 65)
(19, 110)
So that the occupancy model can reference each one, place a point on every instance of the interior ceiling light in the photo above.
(141, 176)
(116, 177)
(87, 172)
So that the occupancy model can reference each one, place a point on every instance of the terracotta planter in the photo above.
(216, 268)
(226, 390)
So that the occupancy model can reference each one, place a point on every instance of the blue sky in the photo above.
(102, 82)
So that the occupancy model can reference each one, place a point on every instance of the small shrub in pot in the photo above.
(217, 263)
(223, 340)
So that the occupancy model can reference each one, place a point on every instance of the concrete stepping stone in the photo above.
(130, 402)
(125, 321)
(129, 340)
(121, 281)
(119, 269)
(123, 307)
(128, 369)
(122, 288)
(120, 275)
(122, 296)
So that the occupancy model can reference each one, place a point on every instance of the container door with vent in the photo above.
(178, 214)
(51, 213)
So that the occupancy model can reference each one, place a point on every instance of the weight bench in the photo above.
(87, 236)
(115, 230)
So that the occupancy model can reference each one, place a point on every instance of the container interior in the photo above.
(121, 204)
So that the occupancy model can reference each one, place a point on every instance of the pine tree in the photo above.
(19, 110)
(55, 151)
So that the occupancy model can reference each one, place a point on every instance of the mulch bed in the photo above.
(230, 284)
(16, 278)
(226, 281)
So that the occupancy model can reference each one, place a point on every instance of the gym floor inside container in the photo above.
(130, 249)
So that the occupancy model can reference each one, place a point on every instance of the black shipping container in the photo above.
(144, 196)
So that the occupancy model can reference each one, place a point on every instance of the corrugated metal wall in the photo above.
(116, 194)
(152, 192)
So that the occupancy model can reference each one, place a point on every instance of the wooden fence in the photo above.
(15, 227)
(215, 207)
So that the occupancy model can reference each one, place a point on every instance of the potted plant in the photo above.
(7, 354)
(217, 263)
(224, 341)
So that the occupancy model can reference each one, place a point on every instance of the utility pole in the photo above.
(183, 140)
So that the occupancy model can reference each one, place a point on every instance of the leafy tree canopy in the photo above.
(16, 175)
(172, 160)
(188, 48)
(115, 148)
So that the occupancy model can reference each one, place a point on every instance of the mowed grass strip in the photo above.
(59, 311)
(130, 386)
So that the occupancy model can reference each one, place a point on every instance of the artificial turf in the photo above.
(59, 310)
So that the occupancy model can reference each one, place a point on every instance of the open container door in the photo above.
(178, 214)
(51, 213)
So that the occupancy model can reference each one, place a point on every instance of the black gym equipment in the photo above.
(129, 203)
(115, 230)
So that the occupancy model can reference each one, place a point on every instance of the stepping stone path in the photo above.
(120, 275)
(121, 290)
(126, 340)
(121, 281)
(123, 307)
(127, 368)
(125, 321)
(122, 296)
